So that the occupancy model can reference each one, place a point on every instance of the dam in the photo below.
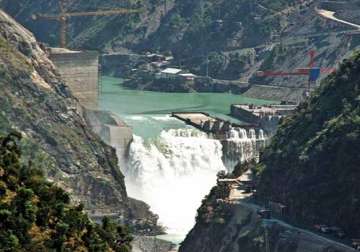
(80, 70)
(266, 117)
(210, 124)
(167, 151)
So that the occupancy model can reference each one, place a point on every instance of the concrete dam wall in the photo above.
(80, 70)
(112, 130)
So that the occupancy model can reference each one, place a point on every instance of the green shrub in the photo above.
(37, 215)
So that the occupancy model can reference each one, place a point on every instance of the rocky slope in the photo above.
(238, 38)
(312, 164)
(244, 231)
(35, 101)
(35, 215)
(109, 33)
(160, 25)
(311, 167)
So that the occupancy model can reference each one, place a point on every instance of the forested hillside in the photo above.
(182, 22)
(191, 30)
(229, 40)
(312, 164)
(311, 169)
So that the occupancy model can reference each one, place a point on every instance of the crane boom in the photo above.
(300, 71)
(311, 71)
(63, 16)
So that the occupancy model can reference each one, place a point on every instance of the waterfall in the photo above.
(173, 173)
(241, 145)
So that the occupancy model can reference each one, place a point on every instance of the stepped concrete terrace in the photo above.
(266, 117)
(209, 124)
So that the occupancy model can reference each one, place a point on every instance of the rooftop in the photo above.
(171, 70)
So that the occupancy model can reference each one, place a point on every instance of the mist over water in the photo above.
(176, 170)
(173, 173)
(172, 166)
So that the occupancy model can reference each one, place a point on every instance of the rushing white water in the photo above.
(241, 146)
(173, 173)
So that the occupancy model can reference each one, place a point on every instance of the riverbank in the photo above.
(183, 85)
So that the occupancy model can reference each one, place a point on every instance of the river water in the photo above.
(171, 166)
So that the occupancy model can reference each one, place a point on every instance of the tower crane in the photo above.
(312, 71)
(63, 16)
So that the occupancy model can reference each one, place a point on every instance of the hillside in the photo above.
(238, 227)
(312, 164)
(35, 215)
(36, 102)
(311, 167)
(108, 33)
(238, 37)
(158, 26)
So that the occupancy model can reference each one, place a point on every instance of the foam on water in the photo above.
(242, 146)
(173, 173)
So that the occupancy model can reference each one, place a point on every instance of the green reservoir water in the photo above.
(148, 112)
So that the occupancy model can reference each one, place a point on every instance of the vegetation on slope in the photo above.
(188, 18)
(37, 103)
(216, 32)
(190, 29)
(37, 216)
(312, 164)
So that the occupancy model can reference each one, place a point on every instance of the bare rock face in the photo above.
(35, 101)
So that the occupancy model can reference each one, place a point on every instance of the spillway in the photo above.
(170, 166)
(174, 171)
(242, 145)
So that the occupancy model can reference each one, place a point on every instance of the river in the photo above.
(171, 166)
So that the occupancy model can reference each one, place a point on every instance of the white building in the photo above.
(175, 73)
(169, 73)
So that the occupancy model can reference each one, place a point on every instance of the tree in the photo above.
(38, 216)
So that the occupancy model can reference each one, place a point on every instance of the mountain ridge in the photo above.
(54, 129)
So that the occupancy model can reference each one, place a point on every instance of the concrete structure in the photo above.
(208, 124)
(112, 130)
(196, 118)
(80, 70)
(265, 117)
(169, 73)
